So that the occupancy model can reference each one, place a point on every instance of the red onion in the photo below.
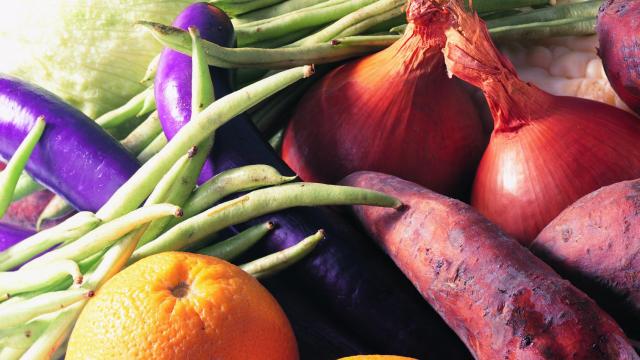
(545, 151)
(395, 111)
(619, 47)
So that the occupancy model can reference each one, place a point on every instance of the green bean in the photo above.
(153, 148)
(151, 71)
(282, 8)
(484, 6)
(257, 203)
(179, 188)
(107, 234)
(281, 260)
(56, 333)
(27, 310)
(162, 191)
(285, 39)
(276, 140)
(370, 23)
(236, 245)
(10, 175)
(129, 110)
(71, 229)
(543, 30)
(201, 127)
(143, 135)
(367, 17)
(231, 181)
(293, 13)
(566, 11)
(238, 7)
(248, 33)
(14, 353)
(337, 50)
(35, 277)
(398, 29)
(22, 336)
(55, 209)
(25, 186)
(270, 114)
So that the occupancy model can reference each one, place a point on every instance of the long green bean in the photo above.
(22, 336)
(238, 7)
(281, 260)
(333, 51)
(201, 127)
(25, 186)
(36, 277)
(249, 33)
(131, 109)
(294, 13)
(153, 148)
(543, 30)
(282, 8)
(11, 174)
(234, 246)
(484, 6)
(257, 203)
(566, 11)
(367, 15)
(143, 135)
(106, 234)
(55, 209)
(24, 311)
(151, 71)
(71, 229)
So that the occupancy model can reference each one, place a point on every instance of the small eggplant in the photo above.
(11, 235)
(345, 273)
(75, 158)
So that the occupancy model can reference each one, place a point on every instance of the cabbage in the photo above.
(86, 51)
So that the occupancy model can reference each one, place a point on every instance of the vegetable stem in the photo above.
(11, 174)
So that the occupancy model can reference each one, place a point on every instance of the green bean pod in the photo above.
(281, 260)
(543, 30)
(127, 111)
(106, 234)
(151, 71)
(70, 230)
(257, 203)
(15, 166)
(37, 277)
(201, 127)
(282, 8)
(19, 338)
(281, 58)
(25, 186)
(236, 245)
(143, 135)
(55, 209)
(586, 9)
(238, 7)
(24, 311)
(153, 148)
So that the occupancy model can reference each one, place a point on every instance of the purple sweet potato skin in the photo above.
(595, 243)
(501, 300)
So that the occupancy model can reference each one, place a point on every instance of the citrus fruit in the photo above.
(178, 305)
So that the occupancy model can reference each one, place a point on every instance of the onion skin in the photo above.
(395, 111)
(501, 300)
(595, 243)
(345, 273)
(618, 29)
(74, 158)
(545, 151)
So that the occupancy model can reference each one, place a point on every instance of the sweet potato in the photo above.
(595, 243)
(501, 300)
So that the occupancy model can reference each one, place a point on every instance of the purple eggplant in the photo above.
(11, 235)
(345, 273)
(75, 158)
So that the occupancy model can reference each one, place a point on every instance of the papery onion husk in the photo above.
(395, 112)
(619, 47)
(545, 151)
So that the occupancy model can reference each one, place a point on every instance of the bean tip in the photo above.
(79, 279)
(335, 42)
(309, 70)
(322, 234)
(192, 152)
(270, 225)
(91, 293)
(399, 206)
(179, 213)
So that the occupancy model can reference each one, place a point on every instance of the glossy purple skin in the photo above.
(346, 273)
(74, 158)
(11, 235)
(174, 68)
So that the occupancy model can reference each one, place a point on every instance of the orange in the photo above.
(376, 357)
(178, 305)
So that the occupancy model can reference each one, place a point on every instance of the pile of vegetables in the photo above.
(177, 158)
